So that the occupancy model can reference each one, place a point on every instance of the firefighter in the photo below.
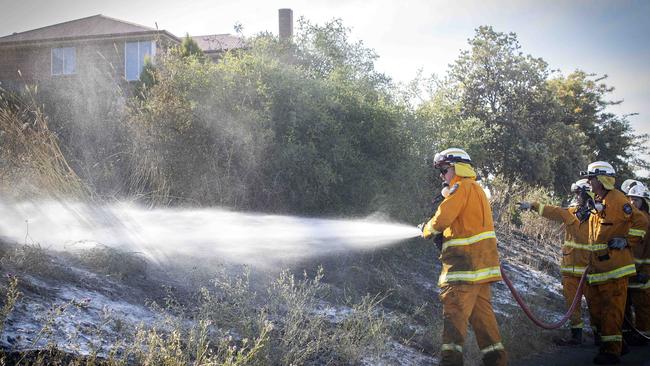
(611, 261)
(470, 262)
(575, 250)
(638, 296)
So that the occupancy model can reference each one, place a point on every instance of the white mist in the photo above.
(205, 233)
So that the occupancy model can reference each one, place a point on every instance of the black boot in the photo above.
(606, 359)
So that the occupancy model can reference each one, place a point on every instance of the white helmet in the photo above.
(638, 190)
(582, 184)
(451, 156)
(599, 168)
(629, 183)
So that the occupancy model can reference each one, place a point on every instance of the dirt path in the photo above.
(578, 356)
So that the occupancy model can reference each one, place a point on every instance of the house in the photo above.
(83, 49)
(214, 45)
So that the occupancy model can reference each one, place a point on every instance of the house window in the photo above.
(134, 55)
(64, 61)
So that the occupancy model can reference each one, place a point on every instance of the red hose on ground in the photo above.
(539, 323)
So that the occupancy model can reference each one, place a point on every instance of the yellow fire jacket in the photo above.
(469, 251)
(641, 251)
(637, 232)
(576, 251)
(615, 220)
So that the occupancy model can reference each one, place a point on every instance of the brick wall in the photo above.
(92, 57)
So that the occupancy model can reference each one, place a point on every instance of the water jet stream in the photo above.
(163, 233)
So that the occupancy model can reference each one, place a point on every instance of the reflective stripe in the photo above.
(639, 286)
(467, 241)
(470, 276)
(636, 232)
(540, 209)
(617, 273)
(642, 261)
(492, 348)
(612, 338)
(452, 347)
(573, 270)
(589, 247)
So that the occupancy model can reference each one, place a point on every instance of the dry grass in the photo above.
(105, 260)
(147, 346)
(526, 238)
(11, 297)
(34, 260)
(228, 327)
(31, 161)
(521, 337)
(363, 333)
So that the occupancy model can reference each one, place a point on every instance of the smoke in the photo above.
(163, 233)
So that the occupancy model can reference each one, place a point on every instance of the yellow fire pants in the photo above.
(606, 303)
(639, 301)
(463, 304)
(569, 288)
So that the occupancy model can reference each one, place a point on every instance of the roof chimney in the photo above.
(285, 17)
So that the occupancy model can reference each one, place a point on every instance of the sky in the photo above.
(609, 37)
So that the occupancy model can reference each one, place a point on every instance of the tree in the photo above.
(540, 129)
(147, 76)
(189, 48)
(582, 98)
(262, 129)
(445, 125)
(506, 91)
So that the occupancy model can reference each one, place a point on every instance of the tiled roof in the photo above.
(96, 25)
(218, 42)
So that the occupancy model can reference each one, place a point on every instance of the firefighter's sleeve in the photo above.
(644, 266)
(555, 213)
(448, 210)
(638, 229)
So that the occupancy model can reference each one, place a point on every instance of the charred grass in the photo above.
(227, 321)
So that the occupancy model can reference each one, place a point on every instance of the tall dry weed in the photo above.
(31, 161)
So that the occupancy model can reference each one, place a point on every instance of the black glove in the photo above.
(583, 213)
(524, 206)
(642, 277)
(617, 243)
(437, 240)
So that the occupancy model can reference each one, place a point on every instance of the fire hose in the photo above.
(638, 332)
(574, 304)
(531, 316)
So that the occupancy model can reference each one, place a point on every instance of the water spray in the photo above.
(164, 233)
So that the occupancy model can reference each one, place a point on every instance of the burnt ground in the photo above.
(405, 274)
